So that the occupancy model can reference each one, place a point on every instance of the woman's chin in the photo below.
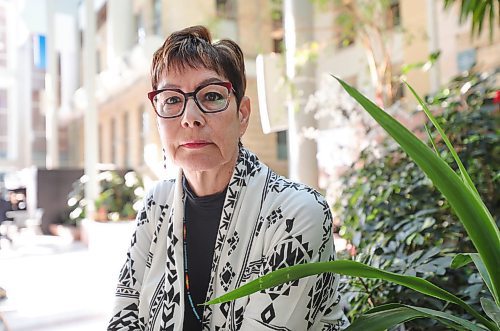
(204, 159)
(199, 162)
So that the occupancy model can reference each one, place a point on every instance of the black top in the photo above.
(202, 223)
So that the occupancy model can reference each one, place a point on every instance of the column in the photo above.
(51, 77)
(299, 31)
(120, 29)
(91, 138)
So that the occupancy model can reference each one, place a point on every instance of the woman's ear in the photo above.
(244, 114)
(245, 110)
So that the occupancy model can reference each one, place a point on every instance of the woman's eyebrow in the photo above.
(203, 82)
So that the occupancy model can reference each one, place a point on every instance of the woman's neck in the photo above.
(208, 182)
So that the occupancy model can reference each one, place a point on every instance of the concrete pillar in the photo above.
(91, 131)
(299, 30)
(120, 29)
(22, 84)
(51, 77)
(432, 28)
(67, 48)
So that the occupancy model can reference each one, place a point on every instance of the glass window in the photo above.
(3, 124)
(102, 16)
(114, 142)
(3, 148)
(395, 13)
(2, 16)
(144, 120)
(39, 146)
(226, 8)
(157, 17)
(140, 28)
(282, 139)
(126, 141)
(101, 143)
(3, 100)
(3, 45)
(278, 45)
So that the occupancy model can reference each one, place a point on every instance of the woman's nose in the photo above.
(193, 116)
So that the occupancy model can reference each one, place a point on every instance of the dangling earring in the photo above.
(164, 159)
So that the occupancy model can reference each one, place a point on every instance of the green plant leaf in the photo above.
(389, 315)
(460, 260)
(483, 272)
(466, 203)
(463, 259)
(430, 139)
(348, 268)
(477, 11)
(463, 172)
(491, 309)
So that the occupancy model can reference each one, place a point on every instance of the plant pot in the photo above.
(111, 238)
(70, 232)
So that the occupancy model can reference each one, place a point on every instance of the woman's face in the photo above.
(197, 141)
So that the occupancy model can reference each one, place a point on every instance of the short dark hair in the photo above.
(193, 48)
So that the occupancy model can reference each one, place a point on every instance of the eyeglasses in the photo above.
(210, 98)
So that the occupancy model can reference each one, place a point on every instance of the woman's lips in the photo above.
(195, 144)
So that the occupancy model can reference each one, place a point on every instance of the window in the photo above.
(3, 38)
(98, 61)
(114, 143)
(344, 31)
(345, 42)
(3, 100)
(394, 14)
(282, 139)
(277, 26)
(144, 120)
(38, 124)
(102, 16)
(126, 140)
(101, 143)
(3, 124)
(278, 45)
(226, 8)
(157, 17)
(140, 28)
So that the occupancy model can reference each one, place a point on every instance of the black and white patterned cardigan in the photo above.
(268, 222)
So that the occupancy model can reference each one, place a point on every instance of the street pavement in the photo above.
(56, 284)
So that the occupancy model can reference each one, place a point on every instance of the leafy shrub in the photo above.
(119, 197)
(400, 222)
(466, 203)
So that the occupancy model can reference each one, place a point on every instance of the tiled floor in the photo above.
(54, 284)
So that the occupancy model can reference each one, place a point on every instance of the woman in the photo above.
(227, 218)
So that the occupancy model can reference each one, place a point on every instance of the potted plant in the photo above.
(117, 204)
(120, 196)
(119, 200)
(464, 199)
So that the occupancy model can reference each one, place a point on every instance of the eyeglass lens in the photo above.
(211, 98)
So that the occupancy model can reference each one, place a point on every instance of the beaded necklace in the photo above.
(186, 274)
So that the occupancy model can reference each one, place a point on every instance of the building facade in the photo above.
(127, 34)
(42, 102)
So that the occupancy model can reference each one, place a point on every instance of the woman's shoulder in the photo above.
(298, 210)
(286, 189)
(293, 198)
(160, 191)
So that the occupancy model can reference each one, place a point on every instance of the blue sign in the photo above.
(39, 51)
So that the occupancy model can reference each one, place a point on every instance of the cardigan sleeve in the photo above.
(125, 314)
(303, 235)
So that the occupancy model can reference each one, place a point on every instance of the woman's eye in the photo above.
(213, 96)
(172, 100)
